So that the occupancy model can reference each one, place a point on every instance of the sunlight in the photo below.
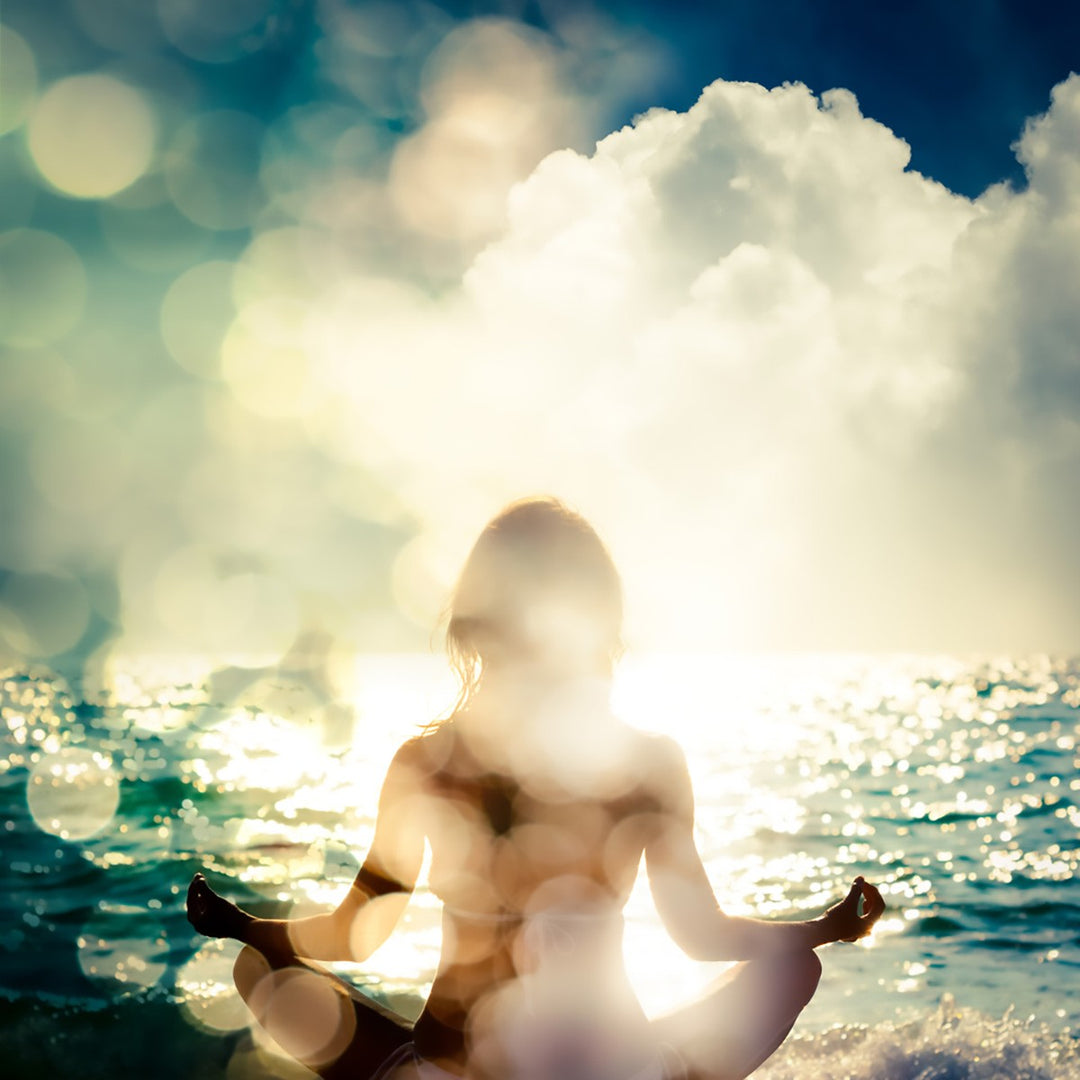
(662, 975)
(396, 694)
(265, 752)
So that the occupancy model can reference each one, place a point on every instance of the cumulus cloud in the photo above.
(813, 397)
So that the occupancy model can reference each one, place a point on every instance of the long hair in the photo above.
(538, 578)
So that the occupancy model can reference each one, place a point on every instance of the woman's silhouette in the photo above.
(537, 805)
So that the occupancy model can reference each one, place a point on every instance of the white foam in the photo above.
(948, 1044)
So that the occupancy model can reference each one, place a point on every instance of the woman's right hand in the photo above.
(844, 921)
(212, 914)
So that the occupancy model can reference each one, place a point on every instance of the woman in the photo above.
(537, 805)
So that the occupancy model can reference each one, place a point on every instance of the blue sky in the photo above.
(955, 80)
(298, 293)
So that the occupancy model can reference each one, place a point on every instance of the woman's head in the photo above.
(538, 587)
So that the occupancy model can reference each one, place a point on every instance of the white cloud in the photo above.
(801, 388)
(811, 398)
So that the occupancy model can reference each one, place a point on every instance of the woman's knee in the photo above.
(249, 970)
(805, 973)
(791, 977)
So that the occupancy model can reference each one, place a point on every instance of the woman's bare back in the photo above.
(533, 869)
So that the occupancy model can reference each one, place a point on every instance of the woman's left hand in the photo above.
(211, 914)
(843, 919)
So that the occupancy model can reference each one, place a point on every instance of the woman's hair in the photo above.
(538, 583)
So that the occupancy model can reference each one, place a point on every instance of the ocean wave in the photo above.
(948, 1044)
(1036, 924)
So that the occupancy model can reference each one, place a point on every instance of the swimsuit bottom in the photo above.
(406, 1055)
(667, 1065)
(546, 932)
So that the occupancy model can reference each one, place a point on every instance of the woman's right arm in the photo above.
(687, 905)
(370, 909)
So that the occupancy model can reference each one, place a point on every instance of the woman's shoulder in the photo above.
(429, 749)
(660, 765)
(657, 752)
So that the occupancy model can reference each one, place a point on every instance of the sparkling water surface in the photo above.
(952, 783)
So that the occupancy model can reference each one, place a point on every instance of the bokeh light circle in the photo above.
(18, 80)
(246, 618)
(290, 261)
(305, 1014)
(265, 361)
(212, 169)
(421, 578)
(209, 997)
(156, 237)
(42, 287)
(72, 793)
(195, 314)
(80, 467)
(135, 962)
(129, 26)
(213, 32)
(91, 135)
(43, 614)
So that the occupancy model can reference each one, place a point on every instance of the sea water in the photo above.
(951, 783)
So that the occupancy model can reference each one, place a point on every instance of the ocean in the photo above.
(952, 783)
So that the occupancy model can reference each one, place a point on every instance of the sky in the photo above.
(295, 294)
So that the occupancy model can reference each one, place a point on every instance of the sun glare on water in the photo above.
(944, 781)
(325, 794)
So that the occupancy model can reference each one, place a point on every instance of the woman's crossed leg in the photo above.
(738, 1023)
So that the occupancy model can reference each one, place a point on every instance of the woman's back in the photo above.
(533, 862)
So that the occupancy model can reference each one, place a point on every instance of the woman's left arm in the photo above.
(687, 905)
(373, 904)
